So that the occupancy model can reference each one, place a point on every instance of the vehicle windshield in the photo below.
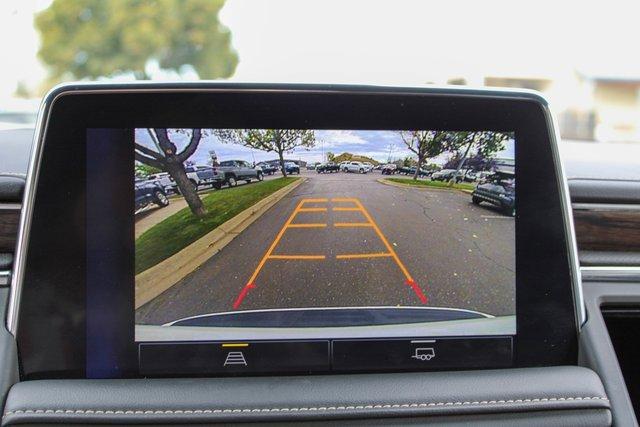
(575, 53)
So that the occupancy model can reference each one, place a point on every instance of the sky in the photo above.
(392, 42)
(375, 144)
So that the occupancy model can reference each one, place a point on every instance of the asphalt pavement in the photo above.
(342, 240)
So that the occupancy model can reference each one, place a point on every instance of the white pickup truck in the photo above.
(357, 167)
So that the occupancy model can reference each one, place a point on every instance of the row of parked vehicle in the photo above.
(464, 175)
(155, 188)
(348, 166)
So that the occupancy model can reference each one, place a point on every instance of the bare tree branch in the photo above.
(149, 161)
(149, 152)
(168, 147)
(191, 147)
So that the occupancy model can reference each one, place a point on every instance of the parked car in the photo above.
(201, 176)
(357, 167)
(239, 170)
(267, 168)
(412, 171)
(368, 165)
(327, 167)
(343, 166)
(291, 168)
(389, 169)
(149, 192)
(500, 191)
(312, 166)
(164, 179)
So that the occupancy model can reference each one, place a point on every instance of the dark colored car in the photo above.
(291, 168)
(267, 168)
(499, 191)
(328, 167)
(389, 169)
(412, 171)
(149, 192)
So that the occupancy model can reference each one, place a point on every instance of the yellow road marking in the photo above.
(235, 345)
(356, 256)
(314, 200)
(345, 209)
(384, 240)
(313, 210)
(344, 199)
(307, 225)
(308, 257)
(353, 224)
(275, 241)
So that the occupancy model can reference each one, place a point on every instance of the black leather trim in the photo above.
(460, 394)
(11, 188)
(604, 191)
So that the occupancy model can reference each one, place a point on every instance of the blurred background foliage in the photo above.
(94, 38)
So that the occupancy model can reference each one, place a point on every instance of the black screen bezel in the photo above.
(54, 279)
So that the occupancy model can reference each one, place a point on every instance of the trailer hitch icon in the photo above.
(425, 353)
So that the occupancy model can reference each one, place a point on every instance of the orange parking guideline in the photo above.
(309, 257)
(356, 256)
(384, 241)
(357, 208)
(340, 209)
(312, 210)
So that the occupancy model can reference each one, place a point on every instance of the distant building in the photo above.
(596, 107)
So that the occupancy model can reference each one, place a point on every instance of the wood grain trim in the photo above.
(615, 228)
(9, 220)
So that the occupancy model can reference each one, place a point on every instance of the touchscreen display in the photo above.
(303, 249)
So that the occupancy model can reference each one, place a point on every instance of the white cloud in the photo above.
(335, 138)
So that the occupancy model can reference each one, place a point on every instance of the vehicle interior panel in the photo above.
(128, 341)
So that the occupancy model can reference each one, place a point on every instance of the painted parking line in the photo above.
(269, 254)
(356, 206)
(391, 252)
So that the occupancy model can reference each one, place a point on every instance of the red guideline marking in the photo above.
(417, 290)
(242, 294)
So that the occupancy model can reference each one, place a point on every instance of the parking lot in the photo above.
(348, 240)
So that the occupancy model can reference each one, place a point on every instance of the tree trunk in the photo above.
(189, 193)
(461, 163)
(420, 161)
(282, 168)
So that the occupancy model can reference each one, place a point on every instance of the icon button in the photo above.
(235, 358)
(424, 353)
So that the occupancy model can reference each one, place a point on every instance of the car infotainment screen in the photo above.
(230, 229)
(316, 249)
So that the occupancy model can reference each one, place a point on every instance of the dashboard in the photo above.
(213, 263)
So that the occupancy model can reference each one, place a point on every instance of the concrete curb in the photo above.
(157, 279)
(420, 187)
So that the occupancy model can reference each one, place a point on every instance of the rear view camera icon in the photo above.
(423, 354)
(235, 358)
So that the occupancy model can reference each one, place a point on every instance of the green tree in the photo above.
(330, 156)
(145, 170)
(486, 144)
(425, 144)
(170, 159)
(96, 38)
(278, 141)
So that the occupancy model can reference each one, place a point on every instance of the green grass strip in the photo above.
(182, 228)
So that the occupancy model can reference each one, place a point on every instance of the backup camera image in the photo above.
(281, 233)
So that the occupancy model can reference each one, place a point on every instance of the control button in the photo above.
(439, 353)
(233, 357)
(424, 353)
